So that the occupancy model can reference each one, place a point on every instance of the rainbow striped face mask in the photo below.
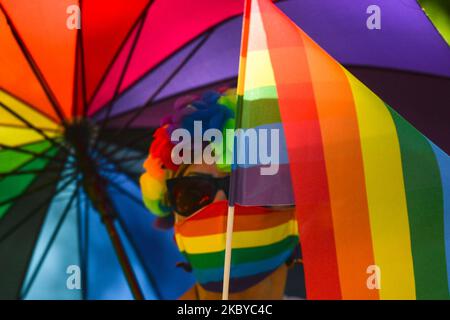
(263, 239)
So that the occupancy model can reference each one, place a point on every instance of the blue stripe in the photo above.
(243, 270)
(243, 148)
(444, 165)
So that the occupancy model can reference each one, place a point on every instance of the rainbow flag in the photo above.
(262, 241)
(372, 194)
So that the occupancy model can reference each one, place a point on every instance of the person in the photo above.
(193, 197)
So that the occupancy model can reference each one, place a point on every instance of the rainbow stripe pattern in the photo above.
(262, 241)
(369, 189)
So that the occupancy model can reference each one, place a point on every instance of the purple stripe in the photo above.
(237, 284)
(255, 189)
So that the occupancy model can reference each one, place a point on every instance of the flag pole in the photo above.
(232, 195)
(227, 266)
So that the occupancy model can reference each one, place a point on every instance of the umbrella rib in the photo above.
(49, 93)
(136, 158)
(130, 239)
(127, 193)
(130, 144)
(150, 277)
(50, 242)
(36, 209)
(30, 106)
(162, 86)
(25, 172)
(165, 83)
(119, 83)
(39, 131)
(83, 67)
(119, 50)
(176, 95)
(148, 72)
(81, 244)
(39, 188)
(34, 154)
(84, 267)
(17, 126)
(75, 75)
(140, 155)
(61, 162)
(120, 168)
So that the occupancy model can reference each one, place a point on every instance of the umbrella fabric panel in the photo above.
(141, 137)
(105, 25)
(407, 39)
(13, 186)
(147, 87)
(16, 136)
(113, 78)
(150, 116)
(24, 111)
(42, 27)
(55, 251)
(102, 282)
(216, 60)
(11, 159)
(211, 58)
(19, 230)
(171, 24)
(105, 279)
(17, 77)
(157, 247)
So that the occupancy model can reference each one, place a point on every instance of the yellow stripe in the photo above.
(386, 194)
(258, 66)
(243, 239)
(240, 86)
(259, 71)
(17, 136)
(28, 113)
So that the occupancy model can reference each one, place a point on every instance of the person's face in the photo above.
(272, 287)
(204, 170)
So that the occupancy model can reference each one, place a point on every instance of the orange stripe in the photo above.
(345, 172)
(215, 225)
(303, 138)
(244, 48)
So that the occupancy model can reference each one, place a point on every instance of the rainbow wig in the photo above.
(216, 110)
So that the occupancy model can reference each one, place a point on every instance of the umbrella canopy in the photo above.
(405, 62)
(77, 107)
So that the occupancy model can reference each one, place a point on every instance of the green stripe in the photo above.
(260, 107)
(13, 186)
(260, 112)
(424, 197)
(239, 256)
(10, 159)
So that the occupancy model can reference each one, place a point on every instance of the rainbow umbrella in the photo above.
(77, 106)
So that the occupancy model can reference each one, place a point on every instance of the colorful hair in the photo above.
(215, 110)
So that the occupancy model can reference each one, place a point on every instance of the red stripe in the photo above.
(306, 156)
(220, 208)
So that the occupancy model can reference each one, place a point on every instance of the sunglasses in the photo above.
(189, 194)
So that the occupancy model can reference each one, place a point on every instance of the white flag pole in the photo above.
(227, 266)
(240, 93)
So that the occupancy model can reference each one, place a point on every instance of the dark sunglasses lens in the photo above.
(189, 195)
